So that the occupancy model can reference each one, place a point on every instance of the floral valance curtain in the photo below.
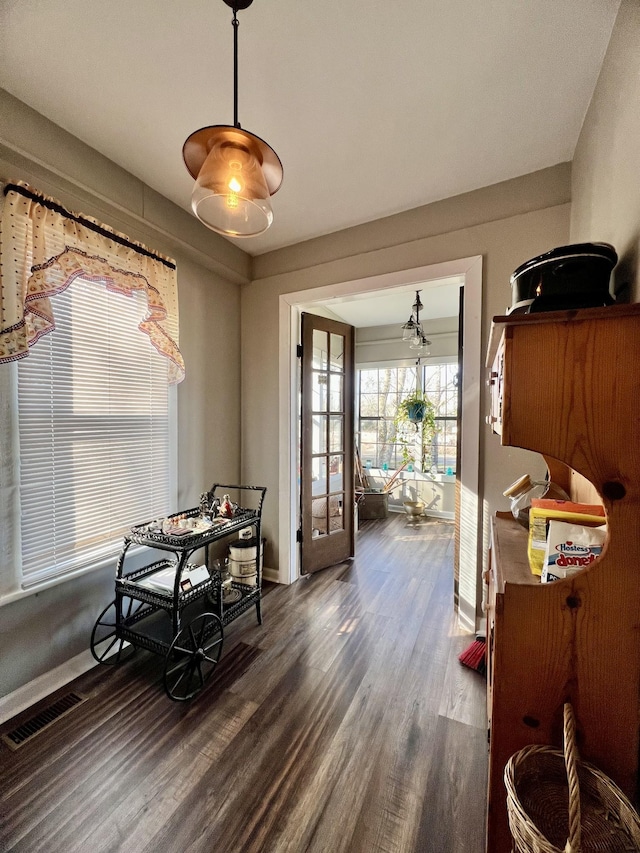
(44, 248)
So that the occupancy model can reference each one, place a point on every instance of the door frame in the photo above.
(470, 533)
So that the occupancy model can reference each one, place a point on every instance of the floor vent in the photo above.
(41, 721)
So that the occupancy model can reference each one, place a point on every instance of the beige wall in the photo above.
(42, 631)
(606, 165)
(209, 396)
(506, 224)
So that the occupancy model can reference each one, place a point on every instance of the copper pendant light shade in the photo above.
(235, 171)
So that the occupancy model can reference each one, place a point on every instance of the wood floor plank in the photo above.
(395, 801)
(298, 723)
(176, 772)
(337, 792)
(451, 819)
(343, 724)
(126, 747)
(464, 690)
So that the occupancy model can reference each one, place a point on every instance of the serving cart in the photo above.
(170, 606)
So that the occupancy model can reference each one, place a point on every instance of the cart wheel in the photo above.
(192, 657)
(106, 646)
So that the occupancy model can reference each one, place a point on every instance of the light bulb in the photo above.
(232, 197)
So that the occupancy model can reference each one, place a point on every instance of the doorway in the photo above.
(468, 526)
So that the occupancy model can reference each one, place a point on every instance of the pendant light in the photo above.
(412, 330)
(235, 171)
(409, 329)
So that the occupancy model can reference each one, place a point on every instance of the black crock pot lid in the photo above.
(244, 543)
(604, 251)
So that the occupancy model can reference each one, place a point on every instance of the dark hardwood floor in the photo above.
(344, 723)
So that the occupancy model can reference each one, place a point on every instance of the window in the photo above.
(379, 392)
(86, 421)
(440, 383)
(93, 424)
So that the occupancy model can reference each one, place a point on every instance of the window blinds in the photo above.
(94, 432)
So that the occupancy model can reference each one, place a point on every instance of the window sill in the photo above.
(12, 596)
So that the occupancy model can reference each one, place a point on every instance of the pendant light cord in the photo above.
(236, 24)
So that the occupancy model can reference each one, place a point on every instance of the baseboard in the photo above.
(271, 575)
(430, 513)
(27, 695)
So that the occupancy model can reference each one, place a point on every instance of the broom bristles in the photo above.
(474, 656)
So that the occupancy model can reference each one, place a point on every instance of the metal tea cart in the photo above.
(173, 607)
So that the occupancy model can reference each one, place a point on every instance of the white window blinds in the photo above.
(94, 432)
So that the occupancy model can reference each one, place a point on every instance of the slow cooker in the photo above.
(575, 276)
(243, 561)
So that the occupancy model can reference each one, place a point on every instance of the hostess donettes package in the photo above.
(543, 511)
(571, 548)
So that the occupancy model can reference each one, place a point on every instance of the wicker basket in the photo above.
(559, 804)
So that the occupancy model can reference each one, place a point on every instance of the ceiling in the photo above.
(374, 108)
(440, 298)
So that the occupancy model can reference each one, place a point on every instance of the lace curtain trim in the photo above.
(44, 248)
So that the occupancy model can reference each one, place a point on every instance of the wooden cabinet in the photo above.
(567, 385)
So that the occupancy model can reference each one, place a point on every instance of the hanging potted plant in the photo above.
(416, 410)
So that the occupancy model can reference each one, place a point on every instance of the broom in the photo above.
(474, 656)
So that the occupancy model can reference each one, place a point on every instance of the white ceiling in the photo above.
(440, 299)
(374, 108)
